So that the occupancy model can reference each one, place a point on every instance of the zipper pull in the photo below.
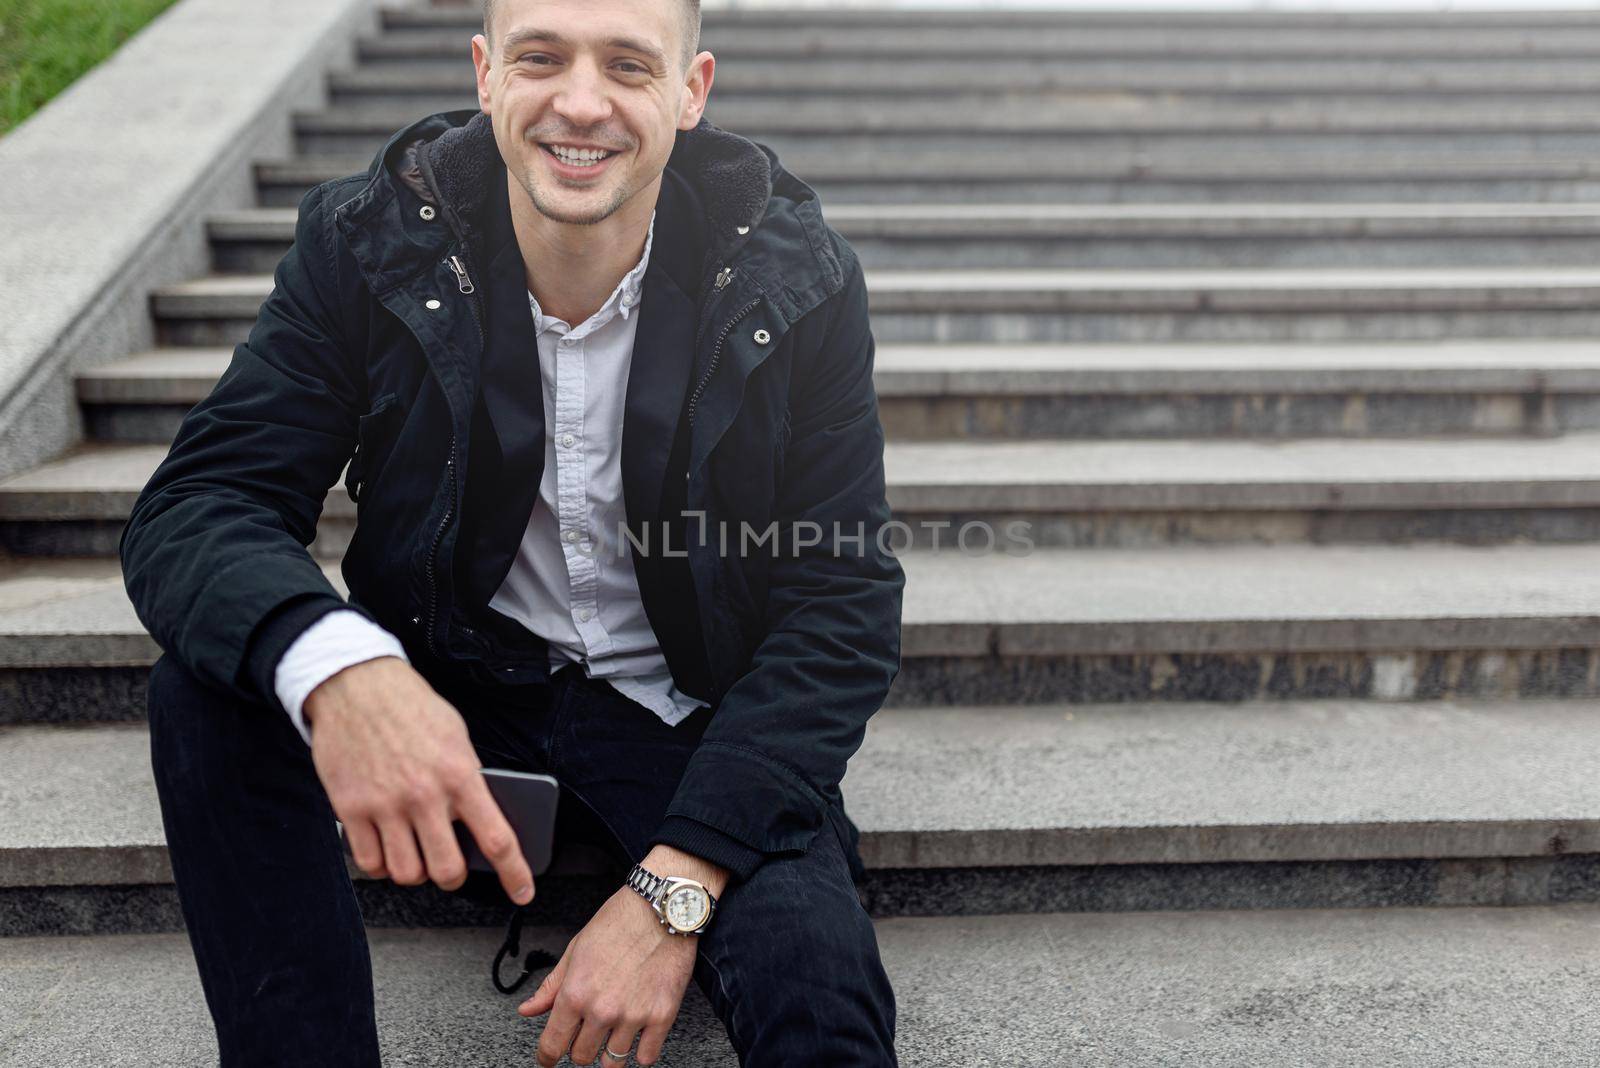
(723, 276)
(463, 283)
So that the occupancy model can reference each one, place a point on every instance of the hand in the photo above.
(398, 766)
(622, 973)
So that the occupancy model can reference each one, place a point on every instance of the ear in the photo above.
(697, 87)
(481, 61)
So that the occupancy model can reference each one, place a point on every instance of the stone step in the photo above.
(1538, 386)
(917, 132)
(1077, 236)
(735, 45)
(1176, 623)
(1095, 179)
(1339, 988)
(1039, 809)
(1126, 306)
(1469, 84)
(1056, 493)
(878, 16)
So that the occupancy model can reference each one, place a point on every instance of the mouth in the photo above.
(578, 163)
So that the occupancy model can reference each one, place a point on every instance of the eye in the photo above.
(532, 55)
(635, 66)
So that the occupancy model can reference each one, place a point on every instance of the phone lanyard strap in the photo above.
(536, 958)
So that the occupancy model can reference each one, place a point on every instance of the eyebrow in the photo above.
(517, 38)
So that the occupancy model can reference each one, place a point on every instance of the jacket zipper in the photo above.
(463, 282)
(716, 355)
(433, 550)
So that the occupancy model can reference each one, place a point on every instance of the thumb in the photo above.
(545, 997)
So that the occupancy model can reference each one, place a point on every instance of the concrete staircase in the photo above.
(1283, 333)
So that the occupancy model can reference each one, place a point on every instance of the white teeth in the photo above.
(579, 156)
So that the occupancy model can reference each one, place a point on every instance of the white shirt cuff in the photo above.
(338, 640)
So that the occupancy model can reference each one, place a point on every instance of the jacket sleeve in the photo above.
(771, 759)
(215, 552)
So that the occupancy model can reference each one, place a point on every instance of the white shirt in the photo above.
(572, 583)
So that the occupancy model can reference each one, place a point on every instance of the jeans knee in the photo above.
(193, 725)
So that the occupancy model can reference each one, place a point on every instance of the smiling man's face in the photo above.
(600, 78)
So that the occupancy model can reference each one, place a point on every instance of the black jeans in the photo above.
(790, 963)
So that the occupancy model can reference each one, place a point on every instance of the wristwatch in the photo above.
(683, 905)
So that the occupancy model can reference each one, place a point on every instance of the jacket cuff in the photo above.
(708, 843)
(275, 633)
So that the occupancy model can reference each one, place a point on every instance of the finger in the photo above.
(487, 824)
(652, 1039)
(400, 851)
(620, 1040)
(586, 1046)
(558, 1031)
(446, 866)
(365, 848)
(544, 997)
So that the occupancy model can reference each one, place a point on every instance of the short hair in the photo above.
(690, 24)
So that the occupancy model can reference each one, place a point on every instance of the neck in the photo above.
(572, 268)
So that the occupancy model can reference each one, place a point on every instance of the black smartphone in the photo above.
(528, 800)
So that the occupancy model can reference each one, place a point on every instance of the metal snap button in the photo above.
(432, 305)
(427, 212)
(744, 229)
(762, 337)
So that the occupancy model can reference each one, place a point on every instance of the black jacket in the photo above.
(750, 401)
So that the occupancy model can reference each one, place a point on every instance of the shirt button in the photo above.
(567, 440)
(584, 614)
(571, 535)
(567, 341)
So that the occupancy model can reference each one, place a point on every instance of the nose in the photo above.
(583, 99)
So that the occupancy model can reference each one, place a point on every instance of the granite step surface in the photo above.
(1520, 386)
(1173, 623)
(735, 44)
(1141, 178)
(1469, 83)
(1076, 236)
(1085, 493)
(915, 137)
(1037, 809)
(1124, 306)
(451, 16)
(1428, 988)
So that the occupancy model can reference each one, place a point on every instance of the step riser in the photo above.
(735, 47)
(1089, 325)
(1075, 252)
(1153, 415)
(1484, 668)
(729, 105)
(1437, 79)
(1255, 415)
(1095, 326)
(571, 900)
(913, 150)
(1090, 525)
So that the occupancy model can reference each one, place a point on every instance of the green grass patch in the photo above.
(46, 44)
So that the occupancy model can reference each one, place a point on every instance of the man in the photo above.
(583, 304)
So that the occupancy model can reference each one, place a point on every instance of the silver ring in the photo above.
(616, 1056)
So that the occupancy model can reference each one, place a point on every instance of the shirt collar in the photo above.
(622, 299)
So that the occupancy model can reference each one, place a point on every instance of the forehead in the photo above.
(588, 22)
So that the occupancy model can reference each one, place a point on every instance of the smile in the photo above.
(578, 159)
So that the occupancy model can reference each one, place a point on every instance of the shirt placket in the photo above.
(572, 496)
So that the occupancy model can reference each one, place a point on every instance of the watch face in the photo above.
(686, 908)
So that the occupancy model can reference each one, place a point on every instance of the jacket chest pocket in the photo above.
(373, 436)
